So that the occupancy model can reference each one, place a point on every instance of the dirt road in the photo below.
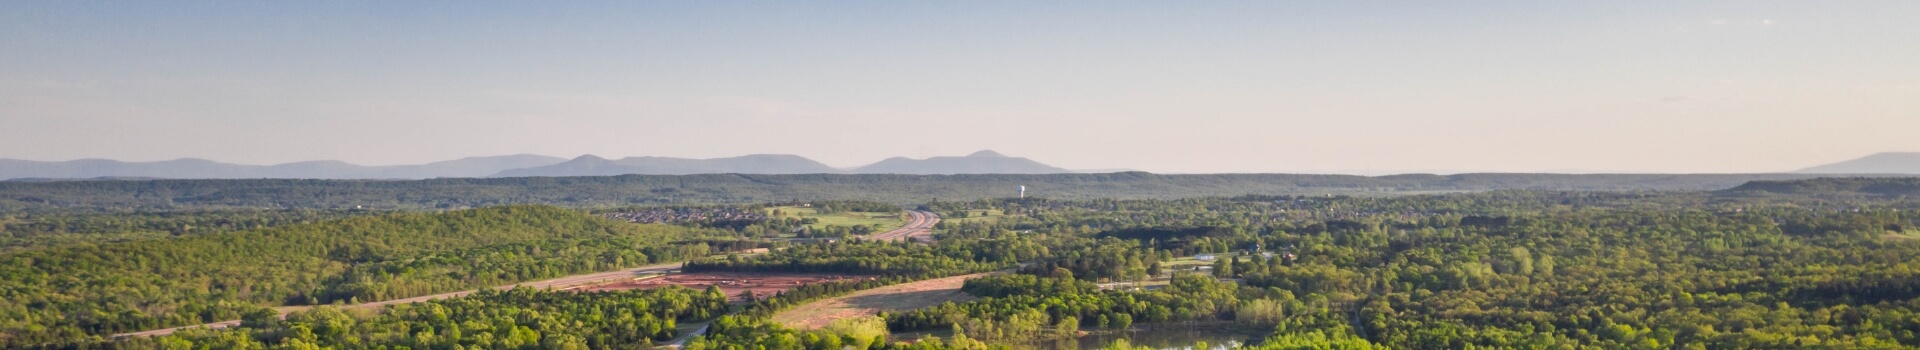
(552, 283)
(919, 224)
(904, 296)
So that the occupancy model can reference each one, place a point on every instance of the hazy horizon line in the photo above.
(1090, 170)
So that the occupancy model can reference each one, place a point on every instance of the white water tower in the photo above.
(1023, 191)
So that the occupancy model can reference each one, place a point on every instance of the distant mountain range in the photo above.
(589, 165)
(1882, 163)
(206, 169)
(983, 162)
(527, 165)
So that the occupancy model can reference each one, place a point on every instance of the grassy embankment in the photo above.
(882, 222)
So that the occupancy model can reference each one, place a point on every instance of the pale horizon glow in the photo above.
(1291, 87)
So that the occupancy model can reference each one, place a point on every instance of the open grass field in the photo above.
(990, 216)
(886, 221)
(897, 297)
(1184, 261)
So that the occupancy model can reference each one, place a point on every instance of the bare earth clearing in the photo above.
(906, 296)
(763, 285)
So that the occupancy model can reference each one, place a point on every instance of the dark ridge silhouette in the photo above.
(191, 168)
(1882, 163)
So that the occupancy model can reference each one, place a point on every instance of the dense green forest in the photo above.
(74, 292)
(612, 191)
(1499, 269)
(515, 319)
(1488, 270)
(25, 232)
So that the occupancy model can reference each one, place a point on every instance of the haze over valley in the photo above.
(982, 162)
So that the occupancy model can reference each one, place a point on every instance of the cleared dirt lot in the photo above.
(762, 285)
(897, 297)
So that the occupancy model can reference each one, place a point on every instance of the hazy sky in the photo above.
(1167, 86)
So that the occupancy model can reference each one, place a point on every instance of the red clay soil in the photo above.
(762, 285)
(905, 296)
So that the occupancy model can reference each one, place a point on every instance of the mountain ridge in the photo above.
(197, 168)
(520, 165)
(524, 165)
(1877, 163)
(981, 162)
(591, 165)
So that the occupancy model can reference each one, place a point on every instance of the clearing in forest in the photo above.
(905, 296)
(880, 221)
(733, 283)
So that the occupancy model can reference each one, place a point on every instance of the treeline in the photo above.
(858, 206)
(1515, 269)
(1547, 269)
(1838, 188)
(747, 332)
(803, 228)
(1025, 307)
(84, 292)
(520, 318)
(26, 232)
(627, 190)
(1107, 260)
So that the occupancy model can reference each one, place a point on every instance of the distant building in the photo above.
(1203, 257)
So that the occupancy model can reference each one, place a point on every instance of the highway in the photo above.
(919, 224)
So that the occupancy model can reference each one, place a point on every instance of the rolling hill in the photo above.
(1831, 187)
(982, 162)
(189, 168)
(608, 191)
(1881, 163)
(590, 165)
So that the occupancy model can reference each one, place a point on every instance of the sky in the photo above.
(1176, 87)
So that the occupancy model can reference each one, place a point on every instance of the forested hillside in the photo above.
(1895, 187)
(1499, 269)
(68, 292)
(29, 231)
(515, 319)
(151, 195)
(1490, 270)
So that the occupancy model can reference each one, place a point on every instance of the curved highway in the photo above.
(919, 225)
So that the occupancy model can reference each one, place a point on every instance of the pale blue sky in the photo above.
(1359, 87)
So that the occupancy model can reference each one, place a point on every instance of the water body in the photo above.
(1164, 338)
